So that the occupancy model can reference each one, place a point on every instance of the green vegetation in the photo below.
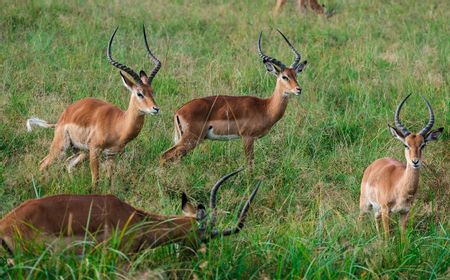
(303, 223)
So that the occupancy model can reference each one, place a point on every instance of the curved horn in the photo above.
(213, 198)
(266, 58)
(430, 123)
(242, 216)
(153, 58)
(298, 56)
(120, 66)
(397, 122)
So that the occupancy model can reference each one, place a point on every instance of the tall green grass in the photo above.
(361, 62)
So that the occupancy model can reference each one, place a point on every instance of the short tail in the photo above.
(36, 121)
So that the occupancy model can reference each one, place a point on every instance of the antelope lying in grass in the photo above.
(388, 185)
(92, 126)
(68, 216)
(230, 117)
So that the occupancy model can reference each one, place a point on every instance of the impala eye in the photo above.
(406, 146)
(422, 146)
(285, 78)
(140, 95)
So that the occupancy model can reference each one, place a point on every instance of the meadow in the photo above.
(303, 222)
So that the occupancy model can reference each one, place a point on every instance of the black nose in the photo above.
(415, 162)
(299, 90)
(156, 109)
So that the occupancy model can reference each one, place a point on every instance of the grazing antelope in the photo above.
(224, 117)
(388, 185)
(72, 217)
(92, 126)
(303, 5)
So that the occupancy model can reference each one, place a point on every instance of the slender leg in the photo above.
(109, 168)
(377, 221)
(277, 7)
(404, 223)
(248, 149)
(189, 140)
(93, 158)
(75, 160)
(364, 205)
(59, 144)
(385, 219)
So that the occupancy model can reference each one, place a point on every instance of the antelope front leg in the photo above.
(248, 149)
(385, 219)
(403, 223)
(93, 158)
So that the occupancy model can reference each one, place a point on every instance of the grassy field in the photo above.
(303, 223)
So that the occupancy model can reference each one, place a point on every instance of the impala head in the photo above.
(206, 223)
(140, 86)
(286, 76)
(414, 142)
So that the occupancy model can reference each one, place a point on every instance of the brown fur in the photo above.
(93, 126)
(68, 216)
(391, 185)
(246, 117)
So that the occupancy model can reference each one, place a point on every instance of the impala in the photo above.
(389, 185)
(72, 217)
(303, 5)
(230, 117)
(91, 126)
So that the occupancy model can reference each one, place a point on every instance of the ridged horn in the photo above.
(430, 123)
(153, 59)
(266, 58)
(213, 198)
(397, 122)
(298, 56)
(241, 217)
(120, 66)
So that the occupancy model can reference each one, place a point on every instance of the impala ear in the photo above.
(201, 212)
(143, 76)
(188, 209)
(127, 82)
(300, 67)
(273, 68)
(434, 134)
(396, 133)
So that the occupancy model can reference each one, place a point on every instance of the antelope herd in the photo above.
(92, 128)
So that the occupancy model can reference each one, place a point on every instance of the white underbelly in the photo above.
(223, 137)
(78, 136)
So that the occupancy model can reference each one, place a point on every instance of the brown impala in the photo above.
(224, 117)
(92, 126)
(68, 216)
(389, 185)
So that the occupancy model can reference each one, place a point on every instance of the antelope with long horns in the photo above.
(224, 117)
(73, 217)
(91, 126)
(390, 186)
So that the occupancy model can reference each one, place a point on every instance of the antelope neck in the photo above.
(132, 122)
(410, 180)
(276, 105)
(171, 229)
